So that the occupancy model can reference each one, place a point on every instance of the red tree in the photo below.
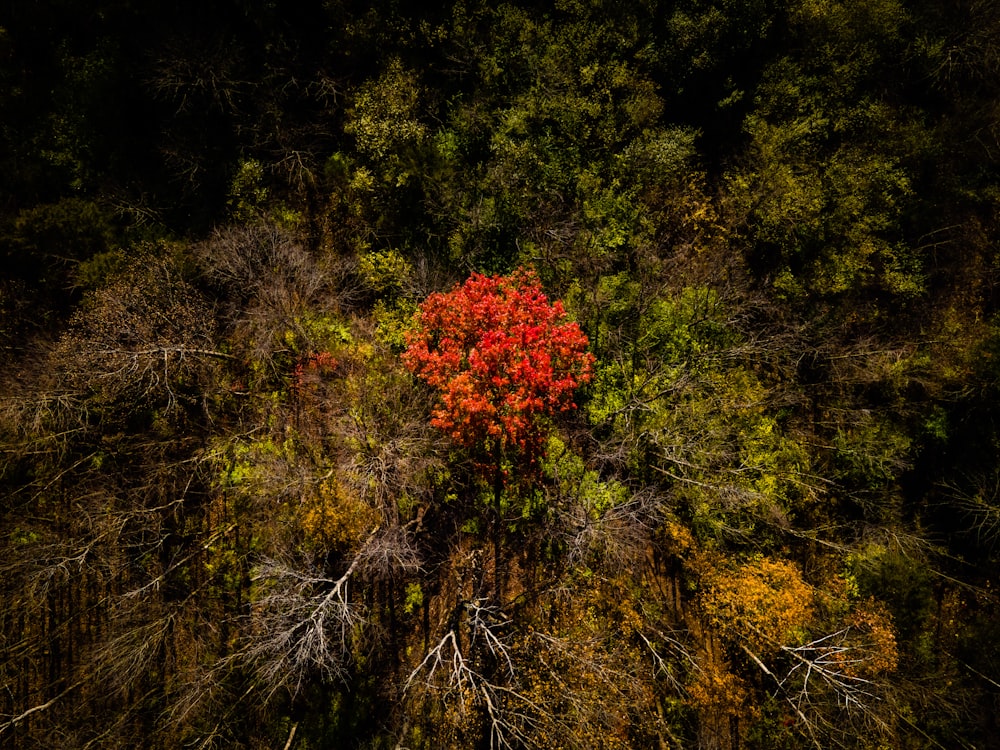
(502, 357)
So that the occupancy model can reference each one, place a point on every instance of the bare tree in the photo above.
(472, 669)
(306, 623)
(147, 338)
(273, 285)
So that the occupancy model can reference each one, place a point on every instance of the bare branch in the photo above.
(304, 622)
(13, 721)
(459, 677)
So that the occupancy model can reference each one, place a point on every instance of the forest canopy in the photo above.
(509, 375)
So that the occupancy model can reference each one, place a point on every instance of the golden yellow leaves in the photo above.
(764, 603)
(715, 690)
(871, 626)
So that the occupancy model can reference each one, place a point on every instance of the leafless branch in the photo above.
(304, 622)
(826, 667)
(14, 720)
(458, 677)
(388, 551)
(828, 660)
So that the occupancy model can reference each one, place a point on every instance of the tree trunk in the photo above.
(497, 533)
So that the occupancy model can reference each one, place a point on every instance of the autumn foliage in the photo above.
(254, 494)
(501, 356)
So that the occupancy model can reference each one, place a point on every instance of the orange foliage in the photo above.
(501, 357)
(871, 625)
(716, 690)
(764, 603)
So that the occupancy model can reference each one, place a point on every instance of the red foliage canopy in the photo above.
(501, 357)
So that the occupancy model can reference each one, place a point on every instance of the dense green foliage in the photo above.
(226, 518)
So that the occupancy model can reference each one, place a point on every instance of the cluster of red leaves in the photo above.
(313, 366)
(501, 357)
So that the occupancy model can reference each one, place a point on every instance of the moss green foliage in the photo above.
(773, 519)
